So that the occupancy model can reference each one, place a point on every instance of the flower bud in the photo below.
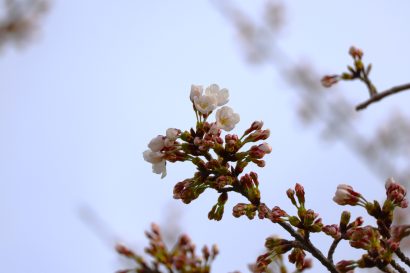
(300, 193)
(355, 52)
(345, 195)
(345, 218)
(328, 81)
(256, 125)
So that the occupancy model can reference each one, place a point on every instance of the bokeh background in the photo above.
(83, 95)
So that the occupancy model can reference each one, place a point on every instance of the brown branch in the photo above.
(382, 95)
(386, 269)
(308, 246)
(402, 257)
(397, 267)
(332, 249)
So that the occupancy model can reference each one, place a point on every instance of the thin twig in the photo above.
(382, 95)
(332, 249)
(402, 257)
(386, 269)
(397, 267)
(309, 247)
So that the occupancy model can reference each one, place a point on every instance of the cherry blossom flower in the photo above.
(196, 91)
(205, 104)
(226, 118)
(221, 95)
(157, 143)
(172, 133)
(157, 161)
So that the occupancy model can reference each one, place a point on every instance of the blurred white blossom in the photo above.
(205, 104)
(221, 95)
(226, 119)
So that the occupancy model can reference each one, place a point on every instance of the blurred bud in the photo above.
(294, 221)
(257, 135)
(328, 81)
(355, 52)
(332, 230)
(396, 193)
(297, 257)
(123, 250)
(347, 76)
(345, 266)
(344, 220)
(291, 195)
(300, 193)
(345, 195)
(256, 125)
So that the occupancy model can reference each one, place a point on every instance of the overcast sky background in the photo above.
(79, 105)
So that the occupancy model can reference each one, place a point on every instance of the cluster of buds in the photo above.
(380, 242)
(276, 247)
(338, 232)
(220, 161)
(396, 194)
(357, 71)
(181, 258)
(306, 219)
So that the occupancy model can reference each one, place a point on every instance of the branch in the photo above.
(386, 269)
(402, 257)
(310, 247)
(397, 267)
(382, 95)
(332, 249)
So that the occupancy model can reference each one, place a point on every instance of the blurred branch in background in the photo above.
(19, 21)
(385, 151)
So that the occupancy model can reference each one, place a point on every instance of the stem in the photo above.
(332, 249)
(370, 86)
(308, 246)
(397, 267)
(386, 269)
(382, 95)
(402, 257)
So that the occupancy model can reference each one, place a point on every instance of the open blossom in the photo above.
(345, 195)
(172, 133)
(226, 119)
(157, 161)
(196, 91)
(157, 143)
(221, 95)
(205, 104)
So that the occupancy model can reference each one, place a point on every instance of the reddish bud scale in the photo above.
(123, 250)
(297, 257)
(328, 81)
(332, 230)
(300, 193)
(345, 266)
(355, 52)
(256, 125)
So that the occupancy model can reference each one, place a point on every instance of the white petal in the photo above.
(196, 91)
(156, 144)
(152, 157)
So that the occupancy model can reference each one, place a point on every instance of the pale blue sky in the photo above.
(79, 105)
